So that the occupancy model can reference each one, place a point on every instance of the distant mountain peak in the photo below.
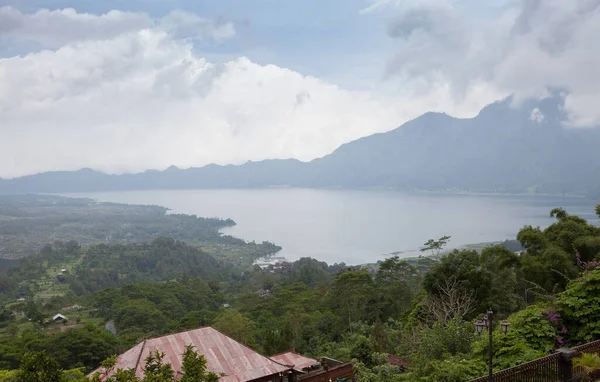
(499, 150)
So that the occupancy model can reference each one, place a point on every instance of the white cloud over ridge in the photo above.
(145, 99)
(123, 92)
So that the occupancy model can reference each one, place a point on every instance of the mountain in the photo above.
(502, 149)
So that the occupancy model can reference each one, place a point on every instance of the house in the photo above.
(223, 355)
(397, 361)
(310, 370)
(59, 317)
(299, 363)
(263, 292)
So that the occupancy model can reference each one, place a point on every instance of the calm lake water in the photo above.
(358, 226)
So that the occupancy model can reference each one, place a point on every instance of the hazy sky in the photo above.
(127, 85)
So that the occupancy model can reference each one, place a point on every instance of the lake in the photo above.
(358, 226)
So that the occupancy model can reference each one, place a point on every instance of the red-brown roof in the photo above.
(223, 355)
(396, 361)
(297, 361)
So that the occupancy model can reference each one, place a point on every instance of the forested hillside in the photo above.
(421, 310)
(28, 222)
(66, 269)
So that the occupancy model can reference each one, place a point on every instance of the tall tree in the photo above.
(236, 325)
(353, 290)
(464, 268)
(435, 246)
(396, 281)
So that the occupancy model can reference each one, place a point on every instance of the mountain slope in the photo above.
(500, 149)
(503, 149)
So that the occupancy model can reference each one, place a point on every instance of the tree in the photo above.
(352, 292)
(9, 375)
(236, 325)
(194, 368)
(39, 367)
(435, 246)
(142, 314)
(397, 282)
(450, 301)
(452, 338)
(579, 307)
(550, 257)
(309, 271)
(504, 267)
(380, 371)
(461, 270)
(532, 239)
(12, 329)
(156, 370)
(85, 347)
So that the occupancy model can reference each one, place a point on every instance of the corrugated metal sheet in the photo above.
(223, 355)
(297, 361)
(396, 360)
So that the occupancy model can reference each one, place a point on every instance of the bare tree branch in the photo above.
(450, 302)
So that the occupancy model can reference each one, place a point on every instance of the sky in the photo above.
(129, 85)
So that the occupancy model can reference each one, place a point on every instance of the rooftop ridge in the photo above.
(137, 363)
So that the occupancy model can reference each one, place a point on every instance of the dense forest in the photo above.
(421, 309)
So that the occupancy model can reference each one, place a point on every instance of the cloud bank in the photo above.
(130, 93)
(125, 92)
(530, 48)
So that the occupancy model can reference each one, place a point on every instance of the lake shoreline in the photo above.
(359, 227)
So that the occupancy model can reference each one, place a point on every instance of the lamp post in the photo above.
(487, 322)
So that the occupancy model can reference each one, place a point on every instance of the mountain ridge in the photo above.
(504, 148)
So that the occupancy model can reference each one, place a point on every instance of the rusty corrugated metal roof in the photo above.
(223, 355)
(396, 360)
(297, 361)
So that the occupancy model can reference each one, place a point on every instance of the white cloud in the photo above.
(528, 50)
(55, 28)
(536, 115)
(145, 98)
(188, 25)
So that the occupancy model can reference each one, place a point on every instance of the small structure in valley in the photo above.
(263, 292)
(59, 317)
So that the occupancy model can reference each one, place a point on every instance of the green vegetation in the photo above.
(421, 310)
(589, 363)
(28, 222)
(193, 368)
(90, 269)
(40, 367)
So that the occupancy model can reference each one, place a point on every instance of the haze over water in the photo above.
(358, 226)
